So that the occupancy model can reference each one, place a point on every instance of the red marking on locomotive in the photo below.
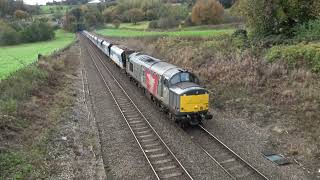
(152, 82)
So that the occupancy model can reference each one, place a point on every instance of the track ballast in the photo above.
(161, 159)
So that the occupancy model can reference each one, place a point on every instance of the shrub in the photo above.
(309, 31)
(9, 36)
(297, 55)
(21, 84)
(168, 22)
(188, 21)
(37, 31)
(153, 24)
(240, 39)
(116, 23)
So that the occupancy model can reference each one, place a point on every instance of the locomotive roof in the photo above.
(117, 49)
(184, 87)
(158, 66)
(144, 60)
(165, 69)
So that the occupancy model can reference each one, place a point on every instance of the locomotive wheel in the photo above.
(183, 125)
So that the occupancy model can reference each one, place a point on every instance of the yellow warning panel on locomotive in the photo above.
(194, 103)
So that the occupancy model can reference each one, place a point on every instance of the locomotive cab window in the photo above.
(184, 77)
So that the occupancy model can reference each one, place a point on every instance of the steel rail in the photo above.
(233, 153)
(139, 111)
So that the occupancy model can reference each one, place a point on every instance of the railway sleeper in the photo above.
(171, 175)
(169, 172)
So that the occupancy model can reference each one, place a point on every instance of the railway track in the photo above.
(161, 159)
(234, 165)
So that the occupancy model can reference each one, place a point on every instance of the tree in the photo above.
(116, 23)
(108, 15)
(134, 15)
(58, 15)
(207, 12)
(19, 14)
(270, 17)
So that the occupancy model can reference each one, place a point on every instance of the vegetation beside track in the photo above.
(276, 89)
(16, 57)
(32, 101)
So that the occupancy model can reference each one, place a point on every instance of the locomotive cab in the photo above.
(188, 100)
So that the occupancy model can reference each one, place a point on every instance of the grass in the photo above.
(14, 165)
(136, 33)
(140, 25)
(15, 57)
(53, 8)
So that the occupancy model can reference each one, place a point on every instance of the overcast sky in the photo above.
(40, 2)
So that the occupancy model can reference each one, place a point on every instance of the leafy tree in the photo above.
(134, 15)
(58, 14)
(19, 14)
(207, 12)
(274, 17)
(116, 23)
(108, 15)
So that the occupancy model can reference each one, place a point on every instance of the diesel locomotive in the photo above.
(175, 90)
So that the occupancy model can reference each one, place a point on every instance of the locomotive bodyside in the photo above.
(176, 90)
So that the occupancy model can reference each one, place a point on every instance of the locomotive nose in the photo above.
(194, 102)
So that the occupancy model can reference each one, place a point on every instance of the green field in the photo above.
(139, 25)
(53, 8)
(137, 33)
(15, 57)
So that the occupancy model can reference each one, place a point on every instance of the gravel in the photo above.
(245, 139)
(121, 154)
(189, 154)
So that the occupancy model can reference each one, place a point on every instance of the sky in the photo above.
(40, 2)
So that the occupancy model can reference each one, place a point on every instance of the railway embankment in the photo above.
(46, 131)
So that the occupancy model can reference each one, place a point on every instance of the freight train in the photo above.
(175, 90)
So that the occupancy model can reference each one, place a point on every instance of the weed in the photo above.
(300, 55)
(14, 165)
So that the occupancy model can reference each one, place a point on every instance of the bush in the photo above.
(22, 33)
(9, 36)
(37, 31)
(240, 39)
(116, 23)
(309, 31)
(168, 22)
(297, 55)
(188, 21)
(22, 83)
(153, 24)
